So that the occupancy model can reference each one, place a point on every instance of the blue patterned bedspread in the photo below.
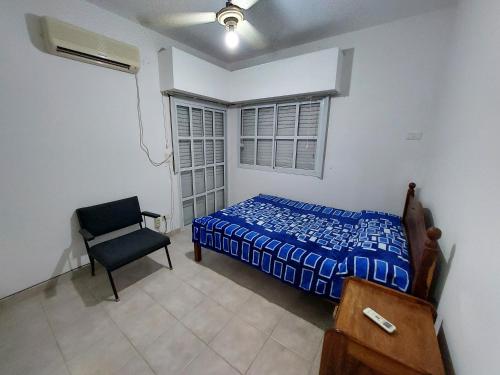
(309, 246)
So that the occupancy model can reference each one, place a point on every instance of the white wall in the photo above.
(306, 73)
(368, 160)
(461, 187)
(69, 137)
(190, 74)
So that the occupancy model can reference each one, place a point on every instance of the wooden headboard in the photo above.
(422, 242)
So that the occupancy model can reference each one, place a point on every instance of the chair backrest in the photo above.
(108, 217)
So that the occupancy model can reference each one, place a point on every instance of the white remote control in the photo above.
(381, 322)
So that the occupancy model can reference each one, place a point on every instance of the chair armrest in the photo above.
(150, 214)
(87, 236)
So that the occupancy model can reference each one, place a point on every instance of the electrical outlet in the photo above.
(157, 223)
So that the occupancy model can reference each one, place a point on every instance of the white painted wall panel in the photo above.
(307, 73)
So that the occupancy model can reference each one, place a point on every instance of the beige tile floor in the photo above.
(216, 317)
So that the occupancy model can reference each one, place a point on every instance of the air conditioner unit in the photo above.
(66, 40)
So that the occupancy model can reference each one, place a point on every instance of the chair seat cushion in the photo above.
(122, 250)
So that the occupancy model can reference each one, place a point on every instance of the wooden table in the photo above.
(356, 345)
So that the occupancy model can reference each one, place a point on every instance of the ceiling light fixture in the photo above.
(229, 17)
(232, 38)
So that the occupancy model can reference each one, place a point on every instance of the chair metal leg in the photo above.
(168, 257)
(113, 286)
(92, 266)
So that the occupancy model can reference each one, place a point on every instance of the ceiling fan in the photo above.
(231, 17)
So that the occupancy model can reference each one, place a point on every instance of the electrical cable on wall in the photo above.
(165, 162)
(141, 130)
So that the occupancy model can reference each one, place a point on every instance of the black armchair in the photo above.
(113, 254)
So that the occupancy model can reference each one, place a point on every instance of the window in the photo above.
(288, 137)
(199, 156)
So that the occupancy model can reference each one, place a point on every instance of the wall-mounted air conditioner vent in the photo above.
(64, 39)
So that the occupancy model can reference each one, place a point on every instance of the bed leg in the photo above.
(197, 251)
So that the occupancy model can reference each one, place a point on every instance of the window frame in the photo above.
(203, 106)
(320, 138)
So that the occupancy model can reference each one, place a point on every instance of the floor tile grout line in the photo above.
(293, 351)
(282, 344)
(131, 344)
(178, 321)
(55, 338)
(207, 344)
(260, 350)
(229, 321)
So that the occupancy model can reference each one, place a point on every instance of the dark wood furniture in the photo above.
(117, 252)
(422, 243)
(358, 346)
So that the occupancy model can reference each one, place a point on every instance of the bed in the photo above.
(314, 247)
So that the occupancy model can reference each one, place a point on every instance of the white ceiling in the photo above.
(281, 23)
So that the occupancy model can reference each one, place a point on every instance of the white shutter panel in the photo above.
(309, 119)
(219, 151)
(186, 184)
(185, 154)
(200, 206)
(265, 121)
(210, 178)
(188, 211)
(286, 120)
(183, 121)
(219, 124)
(209, 123)
(284, 153)
(306, 154)
(264, 152)
(199, 158)
(219, 176)
(199, 137)
(248, 122)
(199, 181)
(209, 151)
(197, 126)
(247, 151)
(219, 198)
(210, 203)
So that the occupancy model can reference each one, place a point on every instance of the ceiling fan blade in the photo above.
(250, 34)
(245, 4)
(176, 20)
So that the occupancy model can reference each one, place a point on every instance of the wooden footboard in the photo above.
(197, 251)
